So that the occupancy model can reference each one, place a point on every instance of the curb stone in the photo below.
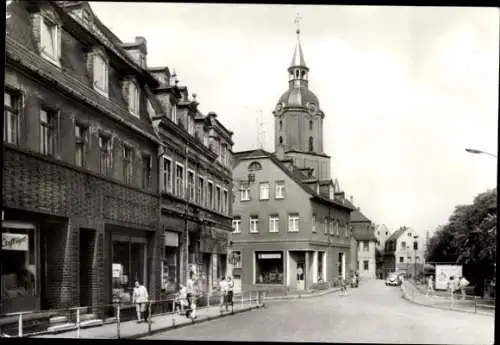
(194, 322)
(407, 298)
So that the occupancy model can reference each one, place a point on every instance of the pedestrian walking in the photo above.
(191, 296)
(230, 292)
(463, 283)
(430, 286)
(140, 299)
(223, 293)
(180, 301)
(343, 287)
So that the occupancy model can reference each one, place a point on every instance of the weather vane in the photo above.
(297, 22)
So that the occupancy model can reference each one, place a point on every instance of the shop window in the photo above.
(169, 270)
(129, 266)
(269, 268)
(19, 279)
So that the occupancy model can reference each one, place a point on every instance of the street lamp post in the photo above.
(415, 247)
(478, 152)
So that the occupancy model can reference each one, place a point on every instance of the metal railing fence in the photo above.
(117, 313)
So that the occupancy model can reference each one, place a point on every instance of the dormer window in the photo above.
(190, 125)
(133, 99)
(86, 18)
(100, 69)
(50, 40)
(151, 110)
(173, 113)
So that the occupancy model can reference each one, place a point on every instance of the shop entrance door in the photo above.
(300, 275)
(87, 240)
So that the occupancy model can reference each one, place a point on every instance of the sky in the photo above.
(404, 90)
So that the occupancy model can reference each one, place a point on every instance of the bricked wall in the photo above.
(35, 183)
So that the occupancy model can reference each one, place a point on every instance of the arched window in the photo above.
(254, 166)
(310, 125)
(281, 125)
(297, 73)
(302, 73)
(281, 140)
(311, 148)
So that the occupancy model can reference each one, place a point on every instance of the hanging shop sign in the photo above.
(171, 239)
(17, 242)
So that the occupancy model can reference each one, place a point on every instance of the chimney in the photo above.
(340, 195)
(351, 198)
(137, 51)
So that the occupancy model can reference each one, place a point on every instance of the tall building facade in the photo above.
(291, 220)
(111, 173)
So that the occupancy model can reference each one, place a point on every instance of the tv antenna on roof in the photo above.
(261, 132)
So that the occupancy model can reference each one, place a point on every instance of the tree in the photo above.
(469, 238)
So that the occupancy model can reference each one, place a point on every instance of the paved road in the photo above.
(372, 313)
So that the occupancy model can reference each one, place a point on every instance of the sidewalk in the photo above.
(160, 323)
(305, 294)
(165, 322)
(414, 295)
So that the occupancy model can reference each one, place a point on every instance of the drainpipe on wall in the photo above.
(186, 209)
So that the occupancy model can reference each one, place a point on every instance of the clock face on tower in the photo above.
(279, 107)
(312, 108)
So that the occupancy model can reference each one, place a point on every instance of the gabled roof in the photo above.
(364, 235)
(294, 175)
(357, 216)
(395, 235)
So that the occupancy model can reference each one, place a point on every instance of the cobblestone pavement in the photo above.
(371, 313)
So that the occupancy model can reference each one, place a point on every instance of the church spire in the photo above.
(298, 71)
(298, 55)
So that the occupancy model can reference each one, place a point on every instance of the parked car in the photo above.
(393, 279)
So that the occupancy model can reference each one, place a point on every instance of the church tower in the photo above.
(298, 119)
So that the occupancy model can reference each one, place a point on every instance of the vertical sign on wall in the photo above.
(214, 270)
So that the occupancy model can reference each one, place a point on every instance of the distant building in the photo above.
(404, 252)
(363, 244)
(382, 233)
